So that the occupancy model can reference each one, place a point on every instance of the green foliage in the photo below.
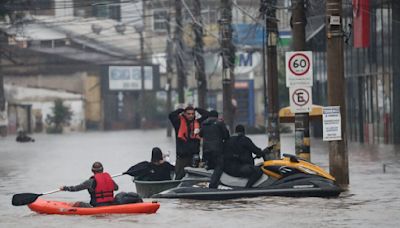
(61, 116)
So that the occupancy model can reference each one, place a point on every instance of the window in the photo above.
(43, 7)
(209, 16)
(107, 9)
(160, 20)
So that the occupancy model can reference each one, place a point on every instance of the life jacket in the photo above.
(104, 191)
(183, 131)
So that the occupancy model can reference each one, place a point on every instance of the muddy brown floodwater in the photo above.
(373, 199)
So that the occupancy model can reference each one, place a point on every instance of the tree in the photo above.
(61, 117)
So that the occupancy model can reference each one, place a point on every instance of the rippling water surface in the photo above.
(373, 199)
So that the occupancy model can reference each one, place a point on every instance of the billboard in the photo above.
(129, 78)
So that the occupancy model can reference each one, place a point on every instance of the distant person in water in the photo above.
(101, 187)
(22, 137)
(156, 170)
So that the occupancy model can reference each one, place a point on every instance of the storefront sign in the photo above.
(129, 78)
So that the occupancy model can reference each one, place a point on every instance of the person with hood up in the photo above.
(156, 170)
(214, 134)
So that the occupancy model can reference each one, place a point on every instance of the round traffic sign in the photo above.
(300, 97)
(299, 64)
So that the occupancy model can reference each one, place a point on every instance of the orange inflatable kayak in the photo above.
(65, 208)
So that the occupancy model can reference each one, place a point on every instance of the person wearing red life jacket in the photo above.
(100, 186)
(187, 129)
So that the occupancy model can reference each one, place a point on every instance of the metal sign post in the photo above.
(299, 79)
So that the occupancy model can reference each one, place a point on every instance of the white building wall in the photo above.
(63, 8)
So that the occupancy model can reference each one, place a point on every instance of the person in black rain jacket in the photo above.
(214, 134)
(238, 156)
(156, 170)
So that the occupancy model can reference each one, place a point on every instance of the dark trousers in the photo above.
(218, 165)
(244, 170)
(180, 165)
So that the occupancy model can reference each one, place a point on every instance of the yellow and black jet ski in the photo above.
(289, 176)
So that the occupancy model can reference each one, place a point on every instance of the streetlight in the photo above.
(140, 28)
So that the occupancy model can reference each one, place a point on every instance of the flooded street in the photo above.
(373, 199)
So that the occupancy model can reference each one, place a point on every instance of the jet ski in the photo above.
(289, 176)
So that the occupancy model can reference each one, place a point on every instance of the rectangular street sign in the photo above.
(331, 121)
(299, 68)
(300, 99)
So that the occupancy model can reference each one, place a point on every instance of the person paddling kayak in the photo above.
(101, 187)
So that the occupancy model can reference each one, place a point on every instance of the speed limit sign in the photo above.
(299, 68)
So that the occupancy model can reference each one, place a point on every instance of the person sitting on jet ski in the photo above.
(214, 134)
(156, 170)
(238, 157)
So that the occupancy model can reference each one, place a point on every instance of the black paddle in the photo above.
(28, 198)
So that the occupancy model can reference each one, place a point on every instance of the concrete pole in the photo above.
(2, 97)
(3, 129)
(302, 125)
(272, 73)
(179, 51)
(169, 74)
(338, 153)
(142, 91)
(198, 56)
(396, 69)
(228, 61)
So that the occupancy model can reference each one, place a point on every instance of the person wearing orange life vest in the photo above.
(187, 129)
(101, 187)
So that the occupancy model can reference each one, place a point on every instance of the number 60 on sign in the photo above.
(299, 68)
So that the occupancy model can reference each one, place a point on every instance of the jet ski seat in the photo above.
(225, 178)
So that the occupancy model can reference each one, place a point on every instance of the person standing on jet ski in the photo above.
(214, 134)
(187, 129)
(238, 156)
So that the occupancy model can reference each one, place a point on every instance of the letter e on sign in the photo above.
(300, 99)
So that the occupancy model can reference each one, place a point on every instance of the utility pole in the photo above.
(169, 71)
(302, 122)
(198, 55)
(269, 8)
(338, 154)
(396, 69)
(142, 91)
(3, 113)
(179, 51)
(140, 29)
(228, 61)
(2, 99)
